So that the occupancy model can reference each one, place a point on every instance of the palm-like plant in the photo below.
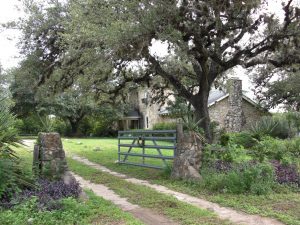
(10, 173)
(270, 126)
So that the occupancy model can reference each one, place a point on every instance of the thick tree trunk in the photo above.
(200, 103)
(74, 127)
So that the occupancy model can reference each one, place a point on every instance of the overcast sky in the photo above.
(8, 38)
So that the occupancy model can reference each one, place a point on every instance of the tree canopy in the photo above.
(111, 43)
(205, 39)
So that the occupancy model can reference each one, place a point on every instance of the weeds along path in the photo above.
(145, 215)
(222, 212)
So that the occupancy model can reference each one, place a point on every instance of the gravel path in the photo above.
(223, 212)
(29, 143)
(145, 215)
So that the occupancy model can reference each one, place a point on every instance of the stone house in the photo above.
(231, 109)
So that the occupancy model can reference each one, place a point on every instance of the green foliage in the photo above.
(94, 210)
(293, 119)
(256, 179)
(165, 126)
(47, 123)
(11, 174)
(60, 126)
(139, 25)
(29, 125)
(269, 148)
(275, 93)
(244, 139)
(282, 205)
(270, 126)
(229, 153)
(102, 123)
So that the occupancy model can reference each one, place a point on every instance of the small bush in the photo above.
(99, 126)
(164, 126)
(229, 153)
(286, 174)
(293, 147)
(244, 139)
(30, 125)
(222, 166)
(275, 149)
(61, 126)
(243, 178)
(47, 194)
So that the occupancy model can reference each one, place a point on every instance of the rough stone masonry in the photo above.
(187, 155)
(235, 118)
(49, 157)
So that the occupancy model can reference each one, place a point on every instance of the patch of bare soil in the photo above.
(147, 216)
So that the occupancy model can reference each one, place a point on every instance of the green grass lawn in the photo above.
(284, 206)
(95, 210)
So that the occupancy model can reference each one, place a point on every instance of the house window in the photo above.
(147, 122)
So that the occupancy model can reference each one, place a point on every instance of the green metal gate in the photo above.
(143, 144)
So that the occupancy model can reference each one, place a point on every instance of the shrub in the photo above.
(30, 125)
(282, 150)
(293, 147)
(222, 166)
(61, 126)
(286, 174)
(242, 178)
(9, 172)
(47, 194)
(268, 148)
(269, 126)
(229, 153)
(99, 126)
(244, 139)
(164, 126)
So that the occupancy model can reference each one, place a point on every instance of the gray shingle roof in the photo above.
(133, 114)
(215, 94)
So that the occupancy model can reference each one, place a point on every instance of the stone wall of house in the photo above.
(219, 111)
(252, 113)
(150, 110)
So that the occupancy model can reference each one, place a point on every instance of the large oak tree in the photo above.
(205, 38)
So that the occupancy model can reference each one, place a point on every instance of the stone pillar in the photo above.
(235, 119)
(49, 157)
(188, 154)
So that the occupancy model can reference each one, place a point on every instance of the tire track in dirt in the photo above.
(223, 212)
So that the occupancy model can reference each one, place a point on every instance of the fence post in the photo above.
(119, 148)
(188, 153)
(179, 135)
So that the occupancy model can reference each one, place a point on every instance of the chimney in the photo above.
(235, 118)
